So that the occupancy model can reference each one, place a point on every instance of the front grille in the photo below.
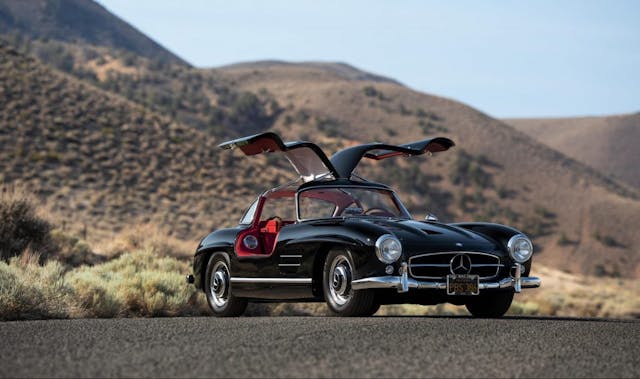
(438, 265)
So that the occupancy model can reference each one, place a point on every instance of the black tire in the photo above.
(218, 289)
(490, 305)
(336, 283)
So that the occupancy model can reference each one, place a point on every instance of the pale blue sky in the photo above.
(506, 58)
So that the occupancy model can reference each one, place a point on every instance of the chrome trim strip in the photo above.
(272, 280)
(398, 282)
(291, 256)
(289, 264)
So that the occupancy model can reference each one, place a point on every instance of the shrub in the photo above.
(21, 227)
(370, 91)
(31, 291)
(136, 284)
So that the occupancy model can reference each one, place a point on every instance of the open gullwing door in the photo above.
(346, 160)
(309, 161)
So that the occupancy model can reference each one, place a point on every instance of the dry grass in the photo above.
(136, 284)
(31, 291)
(149, 237)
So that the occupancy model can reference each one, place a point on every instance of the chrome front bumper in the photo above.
(403, 283)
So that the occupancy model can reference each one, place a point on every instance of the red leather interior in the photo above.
(272, 226)
(269, 234)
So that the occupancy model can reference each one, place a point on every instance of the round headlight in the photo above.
(250, 242)
(388, 248)
(520, 248)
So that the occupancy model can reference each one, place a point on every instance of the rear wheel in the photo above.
(490, 305)
(341, 298)
(218, 289)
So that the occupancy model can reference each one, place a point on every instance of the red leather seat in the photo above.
(270, 233)
(272, 226)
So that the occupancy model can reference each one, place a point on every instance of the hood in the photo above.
(423, 237)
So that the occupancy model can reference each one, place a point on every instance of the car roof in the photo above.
(342, 183)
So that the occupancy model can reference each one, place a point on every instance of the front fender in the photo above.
(497, 232)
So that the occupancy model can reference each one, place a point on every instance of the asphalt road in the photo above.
(321, 347)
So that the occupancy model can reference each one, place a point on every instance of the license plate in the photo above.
(463, 285)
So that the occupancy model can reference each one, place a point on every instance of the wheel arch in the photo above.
(320, 257)
(201, 261)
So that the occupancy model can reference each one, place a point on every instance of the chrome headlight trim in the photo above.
(388, 248)
(515, 248)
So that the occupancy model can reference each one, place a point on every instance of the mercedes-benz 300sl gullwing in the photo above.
(335, 237)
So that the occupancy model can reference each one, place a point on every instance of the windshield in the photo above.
(348, 201)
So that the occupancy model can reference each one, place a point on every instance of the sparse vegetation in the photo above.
(468, 171)
(137, 284)
(607, 240)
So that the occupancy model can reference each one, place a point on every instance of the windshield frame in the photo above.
(405, 213)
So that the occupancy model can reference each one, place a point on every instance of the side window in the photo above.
(311, 208)
(283, 207)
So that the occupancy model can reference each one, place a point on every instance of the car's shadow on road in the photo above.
(513, 317)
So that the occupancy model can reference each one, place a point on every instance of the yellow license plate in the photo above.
(463, 284)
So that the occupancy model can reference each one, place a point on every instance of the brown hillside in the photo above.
(78, 21)
(609, 144)
(577, 216)
(103, 163)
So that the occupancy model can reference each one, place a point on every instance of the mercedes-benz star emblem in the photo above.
(460, 264)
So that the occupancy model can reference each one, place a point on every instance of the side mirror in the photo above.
(431, 217)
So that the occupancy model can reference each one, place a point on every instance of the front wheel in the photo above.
(341, 298)
(218, 289)
(490, 305)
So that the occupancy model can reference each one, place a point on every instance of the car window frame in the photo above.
(394, 197)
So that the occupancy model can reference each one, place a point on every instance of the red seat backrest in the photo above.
(272, 226)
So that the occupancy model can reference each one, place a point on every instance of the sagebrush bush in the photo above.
(137, 284)
(21, 227)
(31, 291)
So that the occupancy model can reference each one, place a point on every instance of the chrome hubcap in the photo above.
(340, 281)
(219, 288)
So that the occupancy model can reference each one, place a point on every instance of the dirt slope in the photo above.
(102, 163)
(609, 144)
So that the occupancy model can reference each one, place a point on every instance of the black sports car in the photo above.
(333, 236)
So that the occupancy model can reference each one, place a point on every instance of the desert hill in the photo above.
(102, 163)
(609, 144)
(78, 21)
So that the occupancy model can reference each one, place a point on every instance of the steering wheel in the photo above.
(378, 212)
